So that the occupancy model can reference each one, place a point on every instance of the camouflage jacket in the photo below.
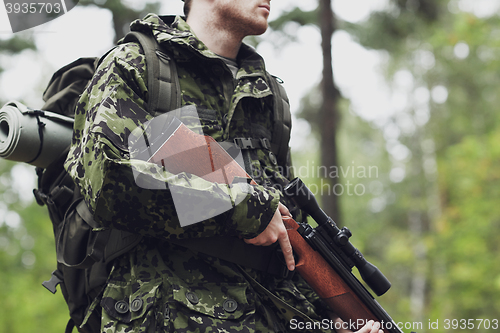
(160, 286)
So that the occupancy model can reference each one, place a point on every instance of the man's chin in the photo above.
(259, 29)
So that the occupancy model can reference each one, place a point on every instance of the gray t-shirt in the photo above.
(232, 64)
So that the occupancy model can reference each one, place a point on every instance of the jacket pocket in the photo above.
(220, 306)
(130, 306)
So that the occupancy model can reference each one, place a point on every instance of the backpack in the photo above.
(84, 255)
(84, 252)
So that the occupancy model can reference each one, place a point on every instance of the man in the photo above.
(164, 284)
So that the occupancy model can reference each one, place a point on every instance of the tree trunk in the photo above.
(329, 117)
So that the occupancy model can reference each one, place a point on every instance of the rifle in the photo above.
(325, 260)
(325, 255)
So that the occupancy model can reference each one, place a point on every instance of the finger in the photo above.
(254, 241)
(371, 327)
(249, 241)
(287, 250)
(368, 328)
(376, 327)
(283, 210)
(266, 238)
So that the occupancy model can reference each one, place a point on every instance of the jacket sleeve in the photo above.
(137, 196)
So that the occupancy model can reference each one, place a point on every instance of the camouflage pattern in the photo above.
(160, 286)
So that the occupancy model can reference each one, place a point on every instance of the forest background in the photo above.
(416, 137)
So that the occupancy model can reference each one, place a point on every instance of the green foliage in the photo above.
(471, 82)
(123, 13)
(285, 27)
(27, 257)
(295, 15)
(426, 10)
(470, 188)
(382, 31)
(404, 21)
(16, 44)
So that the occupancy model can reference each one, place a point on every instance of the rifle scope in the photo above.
(338, 240)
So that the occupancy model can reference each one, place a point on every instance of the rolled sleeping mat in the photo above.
(32, 136)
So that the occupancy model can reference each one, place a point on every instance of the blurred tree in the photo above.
(326, 119)
(329, 115)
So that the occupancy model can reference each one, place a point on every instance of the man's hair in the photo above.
(187, 7)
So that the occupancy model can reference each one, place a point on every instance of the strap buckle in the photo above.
(249, 143)
(55, 279)
(265, 143)
(40, 197)
(244, 143)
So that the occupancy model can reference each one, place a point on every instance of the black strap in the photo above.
(70, 326)
(41, 126)
(96, 244)
(55, 185)
(282, 121)
(268, 259)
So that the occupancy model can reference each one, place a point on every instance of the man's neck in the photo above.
(216, 37)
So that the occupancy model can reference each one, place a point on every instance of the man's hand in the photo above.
(276, 231)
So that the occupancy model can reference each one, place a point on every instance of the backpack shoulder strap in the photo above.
(163, 81)
(282, 121)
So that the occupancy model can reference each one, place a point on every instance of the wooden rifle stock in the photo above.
(326, 282)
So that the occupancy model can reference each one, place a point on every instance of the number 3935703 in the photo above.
(471, 324)
(33, 8)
